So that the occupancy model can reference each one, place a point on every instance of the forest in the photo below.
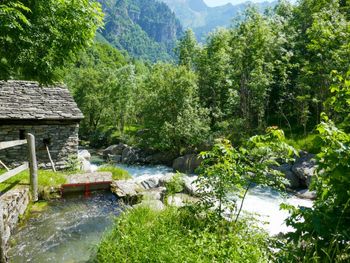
(248, 97)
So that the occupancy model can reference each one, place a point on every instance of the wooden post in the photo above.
(33, 167)
(2, 241)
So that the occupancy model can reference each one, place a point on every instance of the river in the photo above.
(69, 229)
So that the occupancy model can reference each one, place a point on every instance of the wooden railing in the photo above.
(33, 179)
(31, 164)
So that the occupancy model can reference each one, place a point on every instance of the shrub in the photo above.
(117, 173)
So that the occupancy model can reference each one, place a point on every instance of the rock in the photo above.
(154, 194)
(190, 186)
(187, 163)
(180, 200)
(152, 204)
(304, 168)
(115, 149)
(84, 154)
(128, 190)
(114, 158)
(166, 179)
(294, 181)
(85, 166)
(306, 194)
(148, 181)
(130, 155)
(165, 158)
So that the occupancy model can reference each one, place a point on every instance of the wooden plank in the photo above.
(33, 167)
(13, 172)
(9, 144)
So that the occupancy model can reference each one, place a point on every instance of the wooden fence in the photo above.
(31, 164)
(33, 179)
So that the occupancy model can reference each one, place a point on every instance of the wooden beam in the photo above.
(13, 172)
(5, 145)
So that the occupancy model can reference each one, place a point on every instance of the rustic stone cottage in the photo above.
(49, 113)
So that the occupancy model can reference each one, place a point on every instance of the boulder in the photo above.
(85, 166)
(128, 190)
(148, 181)
(190, 187)
(293, 179)
(166, 179)
(130, 155)
(304, 167)
(187, 163)
(115, 149)
(306, 194)
(152, 204)
(165, 158)
(84, 154)
(154, 194)
(114, 158)
(180, 200)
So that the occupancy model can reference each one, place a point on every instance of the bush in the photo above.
(176, 235)
(117, 173)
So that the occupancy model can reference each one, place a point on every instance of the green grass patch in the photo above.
(176, 235)
(46, 178)
(117, 172)
(310, 143)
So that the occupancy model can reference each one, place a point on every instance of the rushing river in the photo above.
(68, 230)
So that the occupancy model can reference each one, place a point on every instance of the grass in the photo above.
(176, 235)
(309, 143)
(46, 178)
(117, 173)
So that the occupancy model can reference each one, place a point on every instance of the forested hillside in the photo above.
(145, 29)
(202, 19)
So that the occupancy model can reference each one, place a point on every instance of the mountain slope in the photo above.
(145, 29)
(203, 19)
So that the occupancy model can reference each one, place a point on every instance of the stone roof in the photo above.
(26, 100)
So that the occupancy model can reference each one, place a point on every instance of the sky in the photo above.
(234, 2)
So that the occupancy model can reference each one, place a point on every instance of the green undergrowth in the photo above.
(309, 143)
(117, 172)
(175, 235)
(46, 178)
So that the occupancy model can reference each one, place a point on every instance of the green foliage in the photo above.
(73, 163)
(322, 232)
(175, 185)
(339, 101)
(117, 173)
(172, 235)
(310, 143)
(173, 118)
(39, 37)
(226, 171)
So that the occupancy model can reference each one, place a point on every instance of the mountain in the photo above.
(145, 29)
(203, 19)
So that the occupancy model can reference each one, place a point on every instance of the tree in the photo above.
(187, 50)
(252, 68)
(40, 36)
(173, 118)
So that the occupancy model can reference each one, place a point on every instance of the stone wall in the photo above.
(62, 137)
(13, 204)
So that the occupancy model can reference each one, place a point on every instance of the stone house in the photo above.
(49, 113)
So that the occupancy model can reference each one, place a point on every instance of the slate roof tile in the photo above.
(30, 101)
